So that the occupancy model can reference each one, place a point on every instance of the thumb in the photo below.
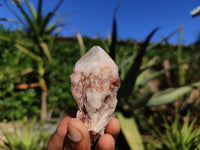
(77, 136)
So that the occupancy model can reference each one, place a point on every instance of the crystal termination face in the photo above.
(94, 85)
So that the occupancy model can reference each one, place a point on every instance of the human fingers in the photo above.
(106, 142)
(77, 136)
(57, 140)
(113, 127)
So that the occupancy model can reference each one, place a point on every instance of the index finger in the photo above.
(56, 141)
(113, 127)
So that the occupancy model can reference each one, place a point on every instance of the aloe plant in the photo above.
(175, 135)
(128, 125)
(27, 135)
(127, 85)
(39, 28)
(133, 80)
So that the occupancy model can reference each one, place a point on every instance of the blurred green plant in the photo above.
(182, 71)
(81, 43)
(26, 135)
(175, 135)
(14, 104)
(171, 94)
(129, 126)
(133, 80)
(39, 46)
(17, 69)
(124, 93)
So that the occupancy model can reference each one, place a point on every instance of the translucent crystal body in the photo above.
(94, 85)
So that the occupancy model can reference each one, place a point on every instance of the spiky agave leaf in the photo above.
(55, 25)
(114, 35)
(157, 74)
(114, 40)
(49, 16)
(39, 12)
(16, 14)
(31, 9)
(130, 59)
(131, 132)
(128, 83)
(171, 94)
(177, 135)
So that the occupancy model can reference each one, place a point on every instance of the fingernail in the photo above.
(73, 134)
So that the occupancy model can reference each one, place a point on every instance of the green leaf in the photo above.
(46, 51)
(39, 13)
(28, 135)
(181, 70)
(129, 59)
(126, 61)
(55, 24)
(81, 43)
(49, 17)
(114, 35)
(128, 83)
(28, 52)
(16, 14)
(142, 99)
(163, 39)
(131, 133)
(4, 146)
(114, 40)
(170, 95)
(141, 78)
(175, 135)
(31, 25)
(32, 9)
(155, 75)
(112, 51)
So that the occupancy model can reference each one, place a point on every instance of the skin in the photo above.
(72, 134)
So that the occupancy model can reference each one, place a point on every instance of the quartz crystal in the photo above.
(94, 85)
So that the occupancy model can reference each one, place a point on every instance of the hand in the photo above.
(72, 134)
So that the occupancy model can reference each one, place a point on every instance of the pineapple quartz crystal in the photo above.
(94, 85)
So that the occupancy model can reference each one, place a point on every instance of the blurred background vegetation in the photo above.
(158, 100)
